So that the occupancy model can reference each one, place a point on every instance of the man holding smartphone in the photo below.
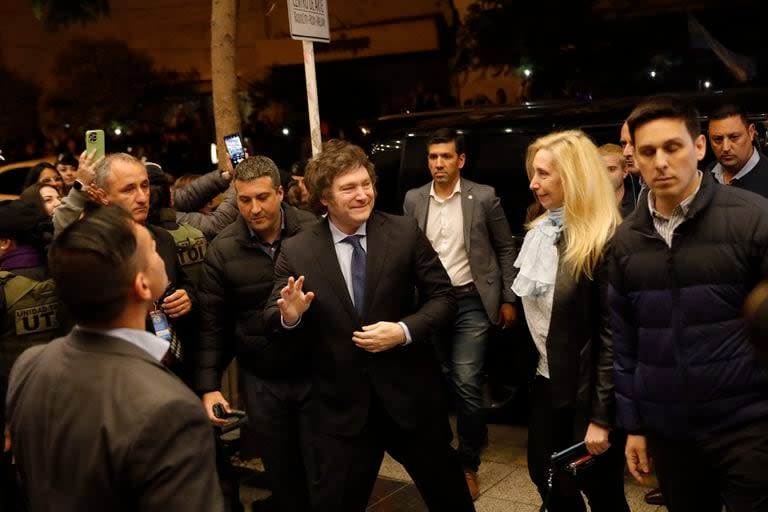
(121, 179)
(235, 283)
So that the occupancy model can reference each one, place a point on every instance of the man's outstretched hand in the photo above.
(293, 301)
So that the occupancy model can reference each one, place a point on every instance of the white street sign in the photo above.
(309, 20)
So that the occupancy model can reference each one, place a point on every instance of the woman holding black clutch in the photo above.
(562, 289)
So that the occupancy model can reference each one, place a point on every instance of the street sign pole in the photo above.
(308, 20)
(312, 102)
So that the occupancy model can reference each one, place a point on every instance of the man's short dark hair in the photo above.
(665, 106)
(94, 264)
(729, 110)
(444, 135)
(337, 157)
(257, 167)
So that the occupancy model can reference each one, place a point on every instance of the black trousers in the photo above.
(277, 414)
(347, 467)
(725, 468)
(552, 430)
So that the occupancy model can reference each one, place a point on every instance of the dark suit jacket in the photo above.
(488, 240)
(401, 264)
(98, 424)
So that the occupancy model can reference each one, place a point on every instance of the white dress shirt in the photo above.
(445, 231)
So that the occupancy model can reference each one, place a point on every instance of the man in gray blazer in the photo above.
(467, 227)
(97, 422)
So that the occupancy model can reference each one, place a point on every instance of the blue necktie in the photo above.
(358, 270)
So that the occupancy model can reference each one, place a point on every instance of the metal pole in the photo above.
(312, 103)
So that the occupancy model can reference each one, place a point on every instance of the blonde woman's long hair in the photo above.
(591, 213)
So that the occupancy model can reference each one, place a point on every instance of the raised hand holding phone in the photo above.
(235, 148)
(86, 170)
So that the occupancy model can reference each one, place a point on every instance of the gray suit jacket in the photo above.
(487, 238)
(98, 424)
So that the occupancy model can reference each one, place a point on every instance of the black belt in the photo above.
(465, 289)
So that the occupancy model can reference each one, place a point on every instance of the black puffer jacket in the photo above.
(236, 281)
(683, 362)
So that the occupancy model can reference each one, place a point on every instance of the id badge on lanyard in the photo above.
(160, 324)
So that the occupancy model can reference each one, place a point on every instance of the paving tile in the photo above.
(250, 494)
(635, 494)
(405, 499)
(508, 435)
(505, 454)
(515, 487)
(491, 473)
(392, 469)
(383, 488)
(488, 504)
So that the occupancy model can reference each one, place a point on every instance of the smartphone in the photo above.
(235, 148)
(94, 139)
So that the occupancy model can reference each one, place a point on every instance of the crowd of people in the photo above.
(126, 296)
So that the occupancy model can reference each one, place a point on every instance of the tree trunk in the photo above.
(226, 113)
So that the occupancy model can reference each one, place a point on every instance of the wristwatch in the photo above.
(226, 175)
(78, 185)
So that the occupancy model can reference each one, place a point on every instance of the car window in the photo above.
(385, 156)
(498, 159)
(12, 181)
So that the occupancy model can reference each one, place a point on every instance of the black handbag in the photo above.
(573, 460)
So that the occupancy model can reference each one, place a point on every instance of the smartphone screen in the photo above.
(235, 148)
(94, 139)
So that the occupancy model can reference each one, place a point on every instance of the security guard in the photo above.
(29, 309)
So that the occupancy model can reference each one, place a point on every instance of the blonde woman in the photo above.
(561, 286)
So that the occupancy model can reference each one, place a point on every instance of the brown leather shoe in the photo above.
(474, 488)
(654, 497)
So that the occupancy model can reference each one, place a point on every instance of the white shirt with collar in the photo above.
(445, 231)
(149, 343)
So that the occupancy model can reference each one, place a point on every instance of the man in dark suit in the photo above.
(378, 293)
(467, 227)
(97, 422)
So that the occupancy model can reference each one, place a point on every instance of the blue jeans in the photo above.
(462, 355)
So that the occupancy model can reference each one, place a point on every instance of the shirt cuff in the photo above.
(289, 327)
(408, 339)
